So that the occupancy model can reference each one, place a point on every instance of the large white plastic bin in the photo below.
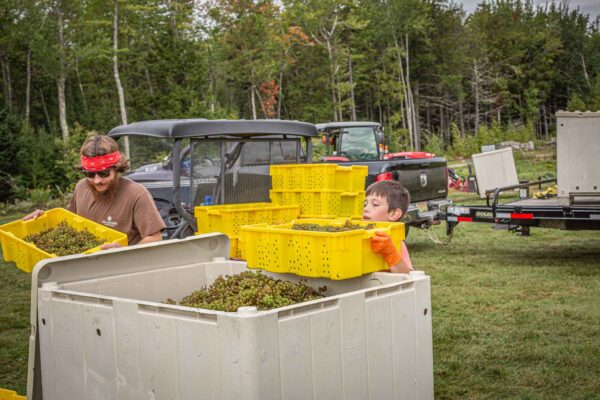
(101, 332)
(578, 155)
(494, 169)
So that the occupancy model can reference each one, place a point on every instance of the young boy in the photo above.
(388, 201)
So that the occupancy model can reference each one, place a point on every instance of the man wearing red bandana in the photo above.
(105, 197)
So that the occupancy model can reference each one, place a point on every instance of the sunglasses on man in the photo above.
(105, 173)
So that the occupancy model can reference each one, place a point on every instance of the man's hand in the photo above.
(112, 245)
(33, 215)
(383, 243)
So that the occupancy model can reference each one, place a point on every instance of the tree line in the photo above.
(433, 75)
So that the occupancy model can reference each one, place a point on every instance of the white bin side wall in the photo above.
(100, 367)
(424, 339)
(248, 359)
(158, 358)
(296, 359)
(129, 384)
(327, 354)
(494, 169)
(577, 152)
(352, 347)
(198, 358)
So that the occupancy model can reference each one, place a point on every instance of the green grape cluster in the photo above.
(348, 226)
(250, 288)
(63, 240)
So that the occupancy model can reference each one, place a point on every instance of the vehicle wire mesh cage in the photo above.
(233, 171)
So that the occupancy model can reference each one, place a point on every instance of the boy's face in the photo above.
(376, 208)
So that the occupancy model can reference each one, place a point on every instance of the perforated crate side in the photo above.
(352, 178)
(229, 217)
(321, 203)
(319, 177)
(340, 255)
(303, 176)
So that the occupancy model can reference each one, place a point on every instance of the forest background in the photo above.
(436, 78)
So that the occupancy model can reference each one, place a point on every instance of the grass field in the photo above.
(513, 317)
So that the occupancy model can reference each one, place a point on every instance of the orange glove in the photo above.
(383, 243)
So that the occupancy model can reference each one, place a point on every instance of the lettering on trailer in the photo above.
(484, 214)
(458, 210)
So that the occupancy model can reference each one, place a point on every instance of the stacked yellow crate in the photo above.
(321, 190)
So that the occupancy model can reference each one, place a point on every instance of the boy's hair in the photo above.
(99, 145)
(393, 192)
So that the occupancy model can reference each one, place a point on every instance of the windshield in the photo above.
(144, 151)
(358, 143)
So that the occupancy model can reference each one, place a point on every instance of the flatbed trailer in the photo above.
(523, 214)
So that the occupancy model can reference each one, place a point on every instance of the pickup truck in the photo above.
(363, 143)
(228, 162)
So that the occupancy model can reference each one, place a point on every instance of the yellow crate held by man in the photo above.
(26, 255)
(10, 395)
(334, 255)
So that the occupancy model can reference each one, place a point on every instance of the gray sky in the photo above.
(591, 7)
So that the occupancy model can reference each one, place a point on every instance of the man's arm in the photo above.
(401, 268)
(155, 237)
(405, 265)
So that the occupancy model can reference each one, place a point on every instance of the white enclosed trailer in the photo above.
(101, 331)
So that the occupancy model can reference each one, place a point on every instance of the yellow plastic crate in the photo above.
(319, 177)
(236, 247)
(10, 395)
(334, 255)
(26, 255)
(228, 218)
(322, 203)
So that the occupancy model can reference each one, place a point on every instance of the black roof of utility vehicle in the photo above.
(346, 124)
(185, 128)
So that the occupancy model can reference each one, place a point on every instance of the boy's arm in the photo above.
(405, 265)
(398, 262)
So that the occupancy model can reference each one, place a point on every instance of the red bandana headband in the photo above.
(100, 163)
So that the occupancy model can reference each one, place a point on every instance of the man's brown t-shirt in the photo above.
(131, 210)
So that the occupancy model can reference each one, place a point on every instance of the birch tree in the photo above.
(115, 62)
(62, 72)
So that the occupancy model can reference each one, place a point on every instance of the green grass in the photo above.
(14, 323)
(513, 317)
